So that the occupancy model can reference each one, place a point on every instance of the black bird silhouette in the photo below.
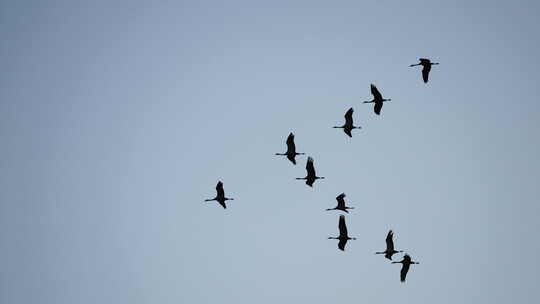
(291, 149)
(390, 251)
(405, 267)
(377, 100)
(343, 236)
(341, 204)
(348, 126)
(220, 197)
(311, 176)
(426, 64)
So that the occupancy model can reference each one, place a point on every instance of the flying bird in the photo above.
(377, 100)
(311, 176)
(426, 64)
(343, 236)
(348, 126)
(341, 204)
(390, 251)
(405, 267)
(220, 196)
(291, 149)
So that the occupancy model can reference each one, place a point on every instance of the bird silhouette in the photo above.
(377, 100)
(426, 64)
(341, 204)
(343, 236)
(390, 251)
(405, 267)
(348, 126)
(220, 196)
(311, 176)
(291, 149)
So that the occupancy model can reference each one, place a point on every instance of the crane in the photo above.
(377, 100)
(426, 64)
(291, 149)
(343, 236)
(220, 196)
(311, 176)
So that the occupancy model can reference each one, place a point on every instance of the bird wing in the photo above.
(310, 167)
(348, 117)
(341, 201)
(341, 244)
(342, 226)
(378, 107)
(292, 158)
(404, 270)
(219, 189)
(376, 94)
(389, 241)
(425, 72)
(291, 147)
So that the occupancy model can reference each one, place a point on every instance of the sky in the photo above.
(118, 118)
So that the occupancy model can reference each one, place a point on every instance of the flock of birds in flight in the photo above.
(311, 176)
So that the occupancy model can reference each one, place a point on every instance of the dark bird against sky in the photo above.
(291, 149)
(426, 64)
(390, 251)
(343, 235)
(377, 100)
(348, 126)
(311, 176)
(220, 196)
(405, 267)
(341, 204)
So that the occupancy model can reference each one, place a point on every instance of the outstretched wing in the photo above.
(342, 227)
(342, 243)
(348, 117)
(390, 241)
(425, 72)
(219, 189)
(291, 147)
(404, 270)
(376, 94)
(378, 107)
(341, 201)
(309, 167)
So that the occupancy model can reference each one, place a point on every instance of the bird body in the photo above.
(291, 149)
(406, 263)
(377, 99)
(343, 234)
(220, 196)
(341, 204)
(311, 176)
(390, 251)
(348, 126)
(426, 67)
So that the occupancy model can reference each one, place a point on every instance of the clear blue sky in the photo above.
(118, 118)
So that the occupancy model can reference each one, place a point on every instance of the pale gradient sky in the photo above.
(117, 118)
